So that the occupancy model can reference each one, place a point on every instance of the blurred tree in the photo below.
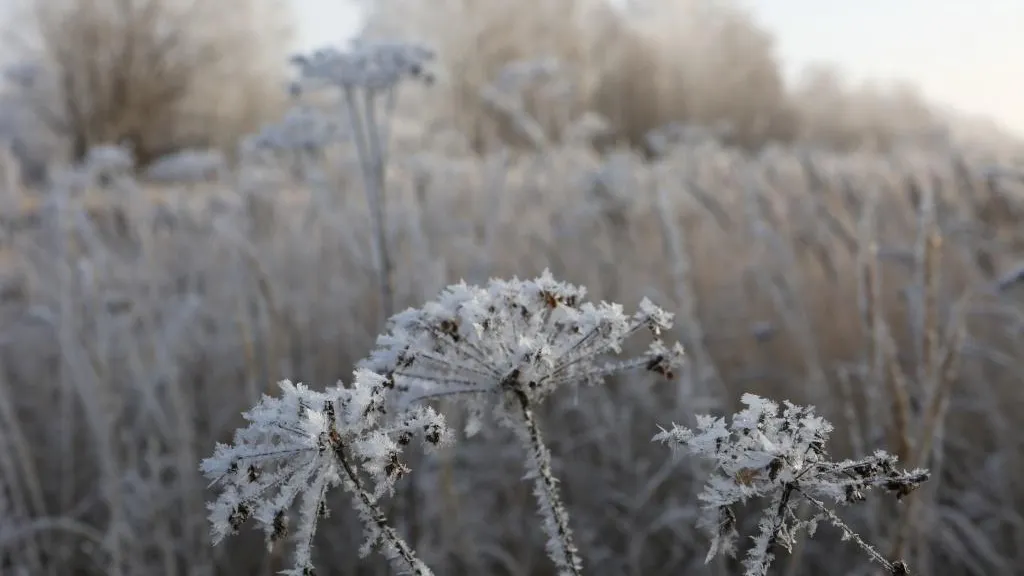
(155, 75)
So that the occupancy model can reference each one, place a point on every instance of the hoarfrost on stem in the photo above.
(508, 346)
(303, 443)
(778, 453)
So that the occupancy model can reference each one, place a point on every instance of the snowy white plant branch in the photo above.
(778, 453)
(302, 444)
(504, 348)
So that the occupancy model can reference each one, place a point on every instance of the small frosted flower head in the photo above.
(371, 65)
(515, 337)
(778, 452)
(301, 444)
(302, 128)
(109, 159)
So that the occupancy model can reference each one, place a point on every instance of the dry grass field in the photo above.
(854, 261)
(148, 319)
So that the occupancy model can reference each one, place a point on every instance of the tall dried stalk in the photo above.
(939, 362)
(674, 240)
(371, 137)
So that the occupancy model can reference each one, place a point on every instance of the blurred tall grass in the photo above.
(138, 319)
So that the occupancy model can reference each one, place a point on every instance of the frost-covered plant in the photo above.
(778, 453)
(364, 74)
(301, 138)
(507, 346)
(188, 165)
(305, 442)
(369, 65)
(303, 128)
(107, 162)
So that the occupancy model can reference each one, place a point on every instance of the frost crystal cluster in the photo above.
(504, 348)
(778, 453)
(508, 346)
(301, 444)
(371, 65)
(512, 340)
(302, 128)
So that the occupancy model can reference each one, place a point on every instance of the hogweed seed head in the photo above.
(509, 345)
(778, 453)
(303, 443)
(513, 337)
(301, 128)
(374, 66)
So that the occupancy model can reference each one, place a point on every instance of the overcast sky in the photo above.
(965, 53)
(968, 54)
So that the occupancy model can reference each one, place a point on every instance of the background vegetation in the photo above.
(823, 243)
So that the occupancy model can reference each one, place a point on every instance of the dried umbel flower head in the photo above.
(372, 65)
(301, 444)
(302, 128)
(509, 345)
(778, 453)
(511, 339)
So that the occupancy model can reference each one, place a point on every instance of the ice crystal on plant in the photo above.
(376, 65)
(778, 453)
(508, 346)
(300, 445)
(513, 337)
(302, 128)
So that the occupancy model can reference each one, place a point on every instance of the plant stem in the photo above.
(561, 547)
(374, 515)
(371, 156)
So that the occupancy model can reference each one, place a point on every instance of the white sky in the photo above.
(965, 53)
(968, 54)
